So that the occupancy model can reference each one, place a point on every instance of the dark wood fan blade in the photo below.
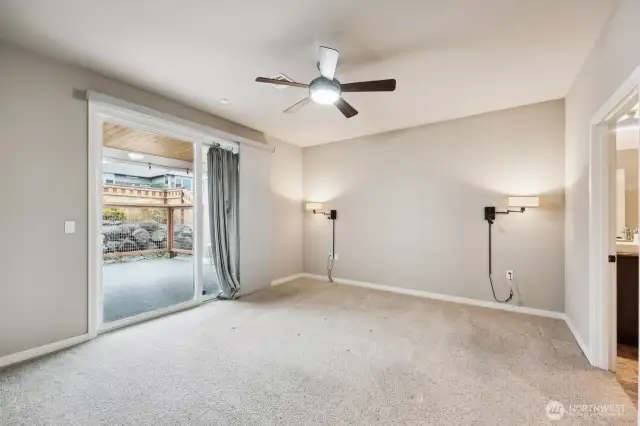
(370, 86)
(345, 108)
(297, 106)
(280, 82)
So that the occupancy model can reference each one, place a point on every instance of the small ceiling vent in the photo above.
(281, 77)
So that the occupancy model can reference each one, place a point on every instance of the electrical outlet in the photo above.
(510, 274)
(336, 256)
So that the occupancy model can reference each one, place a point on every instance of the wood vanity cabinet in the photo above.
(627, 270)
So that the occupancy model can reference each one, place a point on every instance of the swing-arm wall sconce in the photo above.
(319, 208)
(516, 205)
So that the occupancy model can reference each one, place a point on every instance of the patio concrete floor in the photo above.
(142, 286)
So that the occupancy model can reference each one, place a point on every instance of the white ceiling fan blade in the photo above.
(328, 62)
(297, 106)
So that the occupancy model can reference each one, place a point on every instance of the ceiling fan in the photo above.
(326, 90)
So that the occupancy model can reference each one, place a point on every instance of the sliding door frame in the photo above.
(101, 109)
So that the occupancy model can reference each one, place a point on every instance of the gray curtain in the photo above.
(224, 182)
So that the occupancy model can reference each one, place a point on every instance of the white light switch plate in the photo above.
(69, 227)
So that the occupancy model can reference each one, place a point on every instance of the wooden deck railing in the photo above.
(133, 229)
(117, 194)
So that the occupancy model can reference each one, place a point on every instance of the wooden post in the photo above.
(170, 232)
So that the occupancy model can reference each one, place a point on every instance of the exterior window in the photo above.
(108, 178)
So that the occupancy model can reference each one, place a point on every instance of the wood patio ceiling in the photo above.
(128, 139)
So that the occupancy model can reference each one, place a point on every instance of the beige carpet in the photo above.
(317, 354)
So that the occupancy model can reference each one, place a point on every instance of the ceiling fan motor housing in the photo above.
(324, 91)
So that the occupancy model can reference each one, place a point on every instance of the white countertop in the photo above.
(627, 247)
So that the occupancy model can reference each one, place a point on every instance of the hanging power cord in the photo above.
(508, 299)
(330, 268)
(332, 256)
(332, 215)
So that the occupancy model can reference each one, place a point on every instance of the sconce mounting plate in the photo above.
(490, 214)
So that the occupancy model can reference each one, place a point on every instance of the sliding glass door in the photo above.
(148, 223)
(149, 242)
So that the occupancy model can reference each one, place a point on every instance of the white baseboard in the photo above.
(578, 338)
(287, 279)
(467, 301)
(445, 297)
(42, 350)
(62, 344)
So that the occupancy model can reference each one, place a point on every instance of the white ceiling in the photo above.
(451, 58)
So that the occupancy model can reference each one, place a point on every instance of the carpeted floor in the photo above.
(319, 354)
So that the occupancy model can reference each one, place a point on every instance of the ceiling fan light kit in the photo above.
(326, 90)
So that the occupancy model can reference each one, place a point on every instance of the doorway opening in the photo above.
(602, 347)
(624, 136)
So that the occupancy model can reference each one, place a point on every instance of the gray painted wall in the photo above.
(610, 63)
(43, 137)
(410, 205)
(286, 186)
(256, 220)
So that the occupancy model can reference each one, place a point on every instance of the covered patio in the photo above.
(149, 223)
(135, 287)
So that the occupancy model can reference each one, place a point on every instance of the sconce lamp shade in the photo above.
(524, 202)
(314, 206)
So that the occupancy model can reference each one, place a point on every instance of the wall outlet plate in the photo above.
(510, 274)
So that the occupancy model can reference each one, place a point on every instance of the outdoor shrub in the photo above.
(113, 213)
(158, 215)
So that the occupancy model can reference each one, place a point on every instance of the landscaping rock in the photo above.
(130, 227)
(138, 236)
(112, 246)
(127, 245)
(116, 232)
(149, 225)
(158, 235)
(150, 245)
(141, 236)
(187, 243)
